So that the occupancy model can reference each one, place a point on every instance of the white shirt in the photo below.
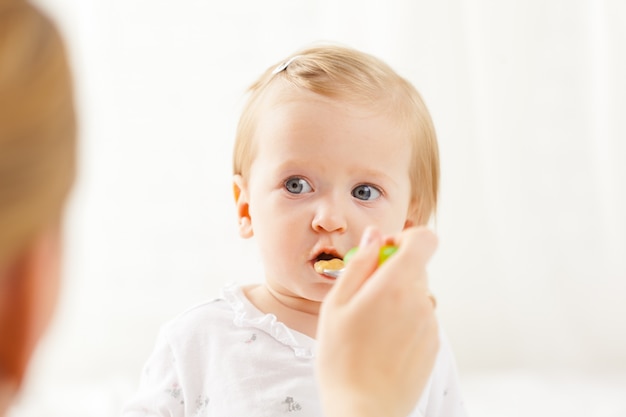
(226, 358)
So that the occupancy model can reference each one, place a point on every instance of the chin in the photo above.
(319, 291)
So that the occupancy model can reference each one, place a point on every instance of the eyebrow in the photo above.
(368, 172)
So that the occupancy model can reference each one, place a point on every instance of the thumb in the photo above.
(361, 267)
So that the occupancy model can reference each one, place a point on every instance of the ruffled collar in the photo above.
(247, 315)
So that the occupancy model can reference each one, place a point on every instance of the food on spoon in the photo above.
(330, 264)
(335, 264)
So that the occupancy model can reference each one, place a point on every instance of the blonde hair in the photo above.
(37, 125)
(347, 74)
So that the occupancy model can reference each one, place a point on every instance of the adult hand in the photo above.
(378, 336)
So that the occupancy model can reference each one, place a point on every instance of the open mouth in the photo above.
(327, 261)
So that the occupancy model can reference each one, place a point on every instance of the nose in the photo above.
(329, 217)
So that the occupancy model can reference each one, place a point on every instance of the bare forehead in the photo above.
(280, 96)
(296, 118)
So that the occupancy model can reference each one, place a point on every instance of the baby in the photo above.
(331, 141)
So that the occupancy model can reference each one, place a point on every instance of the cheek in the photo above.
(390, 220)
(272, 220)
(278, 224)
(393, 224)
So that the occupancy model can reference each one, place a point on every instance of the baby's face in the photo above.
(323, 171)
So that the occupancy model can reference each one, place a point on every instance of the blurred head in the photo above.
(37, 164)
(345, 74)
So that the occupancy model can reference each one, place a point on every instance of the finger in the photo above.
(361, 266)
(407, 267)
(420, 241)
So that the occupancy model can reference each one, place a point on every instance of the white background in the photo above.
(529, 101)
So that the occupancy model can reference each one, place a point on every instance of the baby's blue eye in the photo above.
(365, 192)
(297, 185)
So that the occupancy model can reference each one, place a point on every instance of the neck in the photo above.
(296, 313)
(294, 303)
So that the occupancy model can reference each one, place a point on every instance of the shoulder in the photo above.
(198, 321)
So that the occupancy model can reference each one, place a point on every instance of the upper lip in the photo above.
(330, 250)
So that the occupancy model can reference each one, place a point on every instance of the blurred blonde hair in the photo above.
(37, 125)
(346, 74)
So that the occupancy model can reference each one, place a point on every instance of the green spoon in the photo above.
(385, 252)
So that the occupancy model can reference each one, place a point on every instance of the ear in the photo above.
(413, 215)
(29, 286)
(242, 202)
